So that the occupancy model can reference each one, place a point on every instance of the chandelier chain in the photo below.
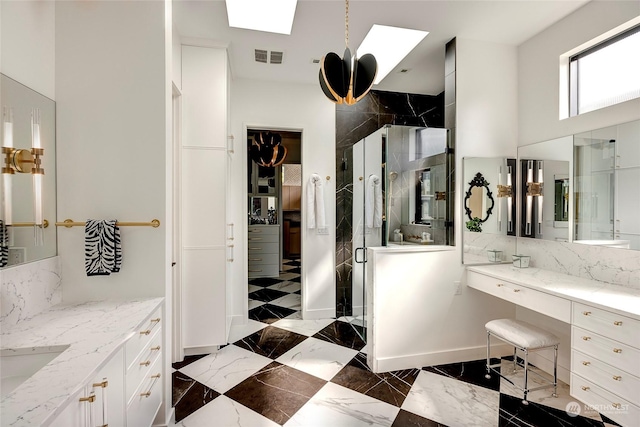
(346, 23)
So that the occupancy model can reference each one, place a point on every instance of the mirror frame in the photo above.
(478, 181)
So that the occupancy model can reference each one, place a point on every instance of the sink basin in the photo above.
(18, 365)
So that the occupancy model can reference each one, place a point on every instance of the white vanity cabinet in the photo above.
(605, 362)
(101, 401)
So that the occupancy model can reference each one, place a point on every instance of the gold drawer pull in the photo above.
(255, 249)
(156, 348)
(499, 284)
(516, 290)
(103, 384)
(586, 338)
(156, 376)
(148, 393)
(155, 320)
(254, 271)
(255, 231)
(617, 323)
(616, 405)
(586, 313)
(617, 377)
(586, 363)
(147, 332)
(585, 388)
(255, 238)
(90, 399)
(617, 350)
(147, 363)
(255, 259)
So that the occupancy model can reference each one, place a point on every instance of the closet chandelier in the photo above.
(266, 150)
(348, 79)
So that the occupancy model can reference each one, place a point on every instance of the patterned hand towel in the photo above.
(102, 248)
(4, 244)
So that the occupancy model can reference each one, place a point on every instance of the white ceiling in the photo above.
(318, 28)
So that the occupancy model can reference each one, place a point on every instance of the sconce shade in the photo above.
(266, 150)
(347, 79)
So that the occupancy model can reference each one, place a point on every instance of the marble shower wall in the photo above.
(29, 289)
(354, 122)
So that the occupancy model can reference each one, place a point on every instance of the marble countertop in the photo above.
(410, 247)
(93, 331)
(619, 299)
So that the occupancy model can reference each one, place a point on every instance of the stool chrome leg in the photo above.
(515, 358)
(487, 375)
(526, 371)
(555, 371)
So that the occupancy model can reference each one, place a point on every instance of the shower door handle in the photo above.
(364, 255)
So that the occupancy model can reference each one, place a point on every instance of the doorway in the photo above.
(274, 247)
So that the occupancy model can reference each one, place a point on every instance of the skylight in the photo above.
(273, 16)
(389, 45)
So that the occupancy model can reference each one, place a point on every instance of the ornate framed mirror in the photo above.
(478, 200)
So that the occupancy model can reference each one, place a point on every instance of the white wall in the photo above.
(538, 73)
(296, 107)
(27, 44)
(176, 51)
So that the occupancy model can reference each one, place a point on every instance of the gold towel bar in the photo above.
(28, 224)
(155, 223)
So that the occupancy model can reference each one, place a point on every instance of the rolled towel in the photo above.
(373, 203)
(4, 244)
(102, 248)
(315, 203)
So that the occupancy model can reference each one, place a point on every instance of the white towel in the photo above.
(373, 203)
(315, 203)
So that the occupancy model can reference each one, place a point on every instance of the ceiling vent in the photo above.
(268, 57)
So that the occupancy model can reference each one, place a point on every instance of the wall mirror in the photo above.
(21, 101)
(489, 196)
(607, 175)
(264, 210)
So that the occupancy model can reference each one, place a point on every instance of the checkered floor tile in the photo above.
(280, 370)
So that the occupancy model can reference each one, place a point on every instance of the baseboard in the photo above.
(439, 358)
(170, 419)
(322, 313)
(238, 320)
(193, 351)
(546, 365)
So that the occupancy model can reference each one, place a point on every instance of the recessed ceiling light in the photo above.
(273, 16)
(389, 45)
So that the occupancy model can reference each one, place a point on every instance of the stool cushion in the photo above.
(522, 334)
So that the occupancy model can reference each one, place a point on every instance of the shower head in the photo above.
(393, 175)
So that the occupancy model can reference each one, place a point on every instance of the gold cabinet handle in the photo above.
(616, 405)
(586, 338)
(255, 230)
(255, 249)
(617, 377)
(90, 398)
(147, 332)
(499, 284)
(617, 350)
(156, 320)
(586, 313)
(585, 388)
(254, 271)
(156, 348)
(103, 384)
(516, 290)
(148, 393)
(147, 363)
(255, 259)
(586, 363)
(617, 323)
(255, 238)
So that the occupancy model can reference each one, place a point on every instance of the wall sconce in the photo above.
(38, 173)
(505, 191)
(7, 170)
(534, 189)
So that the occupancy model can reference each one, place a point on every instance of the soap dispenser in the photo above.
(397, 235)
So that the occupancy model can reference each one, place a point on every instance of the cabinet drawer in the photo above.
(550, 305)
(263, 238)
(265, 248)
(145, 402)
(609, 351)
(608, 404)
(608, 324)
(256, 230)
(261, 259)
(264, 271)
(606, 376)
(141, 367)
(142, 336)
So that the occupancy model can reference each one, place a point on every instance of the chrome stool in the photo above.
(527, 338)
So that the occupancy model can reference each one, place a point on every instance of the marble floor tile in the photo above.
(255, 303)
(238, 332)
(472, 372)
(609, 422)
(286, 286)
(356, 320)
(337, 406)
(295, 279)
(266, 295)
(276, 392)
(514, 414)
(181, 383)
(291, 301)
(225, 368)
(253, 288)
(304, 327)
(268, 313)
(343, 334)
(289, 276)
(226, 413)
(297, 315)
(186, 361)
(195, 398)
(391, 387)
(407, 419)
(319, 358)
(452, 402)
(264, 281)
(271, 342)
